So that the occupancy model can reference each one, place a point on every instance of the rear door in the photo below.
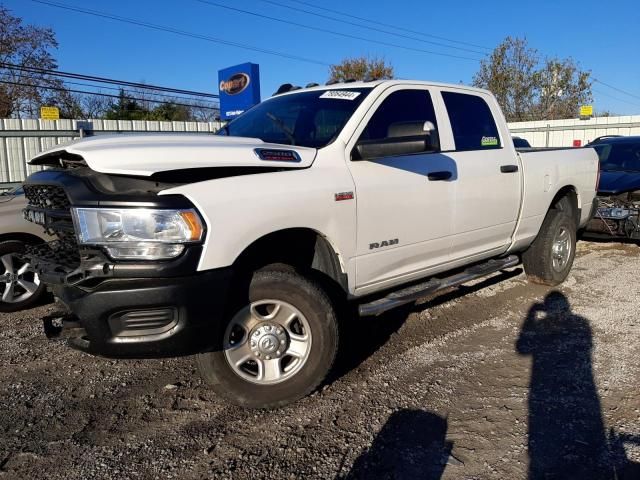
(488, 192)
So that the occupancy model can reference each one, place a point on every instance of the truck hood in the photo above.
(614, 182)
(147, 154)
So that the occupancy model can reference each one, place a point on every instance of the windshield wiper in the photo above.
(281, 125)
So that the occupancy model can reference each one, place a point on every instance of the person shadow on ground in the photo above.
(567, 436)
(411, 445)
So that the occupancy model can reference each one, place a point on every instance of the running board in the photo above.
(416, 292)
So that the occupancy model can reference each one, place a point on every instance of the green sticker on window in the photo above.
(489, 141)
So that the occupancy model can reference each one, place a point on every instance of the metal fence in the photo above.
(563, 133)
(21, 139)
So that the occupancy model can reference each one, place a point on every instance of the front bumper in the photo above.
(147, 317)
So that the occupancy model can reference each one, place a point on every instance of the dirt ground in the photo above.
(501, 379)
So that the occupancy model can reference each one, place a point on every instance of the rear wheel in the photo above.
(278, 344)
(550, 257)
(20, 287)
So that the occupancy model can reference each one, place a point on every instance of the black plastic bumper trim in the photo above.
(198, 303)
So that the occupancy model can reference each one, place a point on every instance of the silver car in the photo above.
(19, 286)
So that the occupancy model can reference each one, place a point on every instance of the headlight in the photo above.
(138, 233)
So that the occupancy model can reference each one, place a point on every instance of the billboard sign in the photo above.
(239, 89)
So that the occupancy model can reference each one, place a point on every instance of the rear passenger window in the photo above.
(472, 122)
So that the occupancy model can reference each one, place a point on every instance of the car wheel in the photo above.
(277, 345)
(549, 259)
(20, 287)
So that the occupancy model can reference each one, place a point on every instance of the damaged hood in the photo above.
(146, 154)
(617, 182)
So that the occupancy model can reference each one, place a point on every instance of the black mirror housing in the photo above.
(403, 138)
(389, 147)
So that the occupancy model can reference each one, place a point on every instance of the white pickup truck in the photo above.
(240, 247)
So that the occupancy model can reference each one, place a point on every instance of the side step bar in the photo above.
(416, 292)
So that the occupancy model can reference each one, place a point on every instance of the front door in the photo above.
(404, 217)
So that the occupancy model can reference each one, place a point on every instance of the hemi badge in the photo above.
(277, 155)
(344, 196)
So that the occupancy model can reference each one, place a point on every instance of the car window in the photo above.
(471, 121)
(619, 156)
(399, 107)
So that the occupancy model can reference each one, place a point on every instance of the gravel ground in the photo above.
(498, 380)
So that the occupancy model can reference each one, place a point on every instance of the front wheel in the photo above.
(550, 257)
(277, 346)
(20, 286)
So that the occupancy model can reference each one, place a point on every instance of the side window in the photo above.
(399, 107)
(471, 121)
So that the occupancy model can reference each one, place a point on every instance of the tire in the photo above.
(275, 297)
(549, 259)
(18, 290)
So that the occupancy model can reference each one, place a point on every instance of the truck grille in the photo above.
(48, 197)
(50, 206)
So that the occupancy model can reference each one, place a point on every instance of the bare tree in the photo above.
(22, 93)
(361, 68)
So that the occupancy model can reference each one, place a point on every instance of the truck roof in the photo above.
(376, 83)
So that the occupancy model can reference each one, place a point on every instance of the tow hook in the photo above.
(60, 326)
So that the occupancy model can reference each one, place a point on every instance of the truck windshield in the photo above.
(308, 119)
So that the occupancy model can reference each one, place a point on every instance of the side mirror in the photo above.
(403, 138)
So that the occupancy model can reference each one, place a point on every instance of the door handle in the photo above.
(509, 168)
(439, 176)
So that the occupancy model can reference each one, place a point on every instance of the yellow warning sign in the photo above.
(586, 111)
(49, 113)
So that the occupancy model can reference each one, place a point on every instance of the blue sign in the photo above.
(239, 89)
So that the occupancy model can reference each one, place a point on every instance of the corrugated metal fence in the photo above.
(21, 139)
(562, 133)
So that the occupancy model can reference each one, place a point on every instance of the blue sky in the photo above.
(602, 38)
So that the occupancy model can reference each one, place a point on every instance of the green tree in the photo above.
(360, 68)
(563, 87)
(171, 112)
(126, 108)
(528, 87)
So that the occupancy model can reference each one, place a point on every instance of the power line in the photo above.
(175, 31)
(616, 89)
(341, 21)
(108, 95)
(332, 32)
(112, 81)
(68, 82)
(189, 99)
(382, 24)
(598, 92)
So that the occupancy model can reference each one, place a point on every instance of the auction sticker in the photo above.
(489, 141)
(340, 94)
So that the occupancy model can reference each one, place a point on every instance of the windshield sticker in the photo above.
(489, 141)
(340, 94)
